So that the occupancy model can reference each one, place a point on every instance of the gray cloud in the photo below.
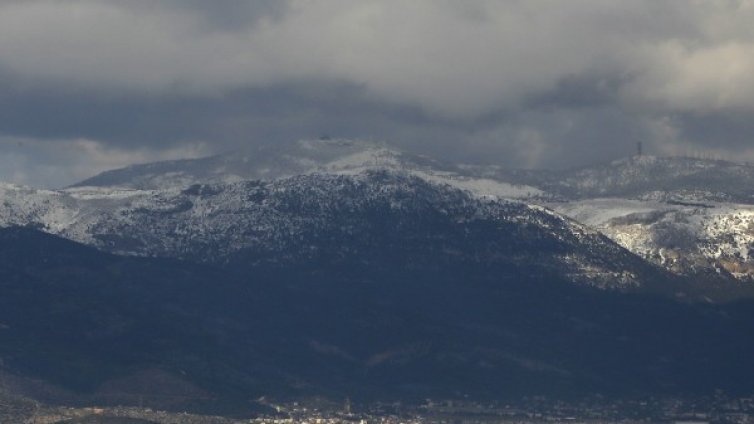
(536, 83)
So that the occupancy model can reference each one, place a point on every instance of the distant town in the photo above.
(715, 409)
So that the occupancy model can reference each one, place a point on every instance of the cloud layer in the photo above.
(533, 83)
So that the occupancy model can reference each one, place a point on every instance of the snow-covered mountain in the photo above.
(328, 216)
(331, 156)
(641, 177)
(684, 238)
(369, 262)
(691, 216)
(666, 179)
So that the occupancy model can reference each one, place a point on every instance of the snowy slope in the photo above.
(338, 157)
(149, 209)
(688, 215)
(684, 238)
(691, 216)
(644, 177)
(294, 219)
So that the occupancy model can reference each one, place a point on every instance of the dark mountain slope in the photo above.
(78, 317)
(444, 331)
(374, 217)
(83, 319)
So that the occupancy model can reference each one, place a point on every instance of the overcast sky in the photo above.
(92, 85)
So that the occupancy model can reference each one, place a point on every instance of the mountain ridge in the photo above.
(276, 219)
(702, 207)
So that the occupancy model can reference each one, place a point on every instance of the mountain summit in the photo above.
(693, 217)
(263, 163)
(689, 216)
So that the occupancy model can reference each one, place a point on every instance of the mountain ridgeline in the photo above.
(339, 268)
(666, 178)
(373, 218)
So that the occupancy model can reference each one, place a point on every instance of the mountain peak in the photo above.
(635, 160)
(267, 162)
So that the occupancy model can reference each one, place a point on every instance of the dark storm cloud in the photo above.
(731, 132)
(250, 115)
(536, 83)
